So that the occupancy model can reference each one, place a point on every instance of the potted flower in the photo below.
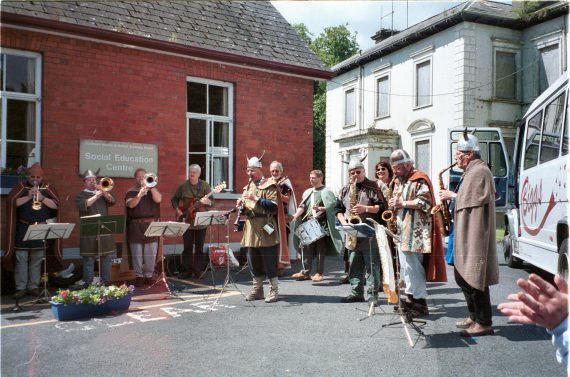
(91, 301)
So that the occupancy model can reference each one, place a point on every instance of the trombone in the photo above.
(105, 184)
(150, 180)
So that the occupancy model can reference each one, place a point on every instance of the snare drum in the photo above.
(309, 231)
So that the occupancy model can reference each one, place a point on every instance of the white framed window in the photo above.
(211, 129)
(349, 107)
(423, 83)
(422, 155)
(506, 69)
(20, 97)
(383, 96)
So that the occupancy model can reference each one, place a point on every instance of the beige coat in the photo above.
(475, 254)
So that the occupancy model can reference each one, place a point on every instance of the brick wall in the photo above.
(98, 91)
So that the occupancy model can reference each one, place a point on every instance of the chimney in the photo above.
(383, 34)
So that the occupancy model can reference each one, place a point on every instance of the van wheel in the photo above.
(563, 259)
(508, 247)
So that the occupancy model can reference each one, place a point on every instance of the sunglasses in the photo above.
(355, 172)
(35, 176)
(381, 169)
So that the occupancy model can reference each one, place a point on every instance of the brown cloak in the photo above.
(475, 254)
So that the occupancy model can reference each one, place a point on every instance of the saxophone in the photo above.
(389, 216)
(441, 211)
(239, 223)
(352, 219)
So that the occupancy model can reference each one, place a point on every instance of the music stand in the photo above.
(219, 218)
(163, 229)
(363, 231)
(45, 232)
(98, 226)
(206, 219)
(406, 316)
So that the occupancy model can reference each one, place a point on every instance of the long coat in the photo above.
(475, 254)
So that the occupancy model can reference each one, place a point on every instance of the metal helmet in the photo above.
(468, 143)
(355, 162)
(254, 162)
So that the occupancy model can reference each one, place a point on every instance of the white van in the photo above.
(536, 226)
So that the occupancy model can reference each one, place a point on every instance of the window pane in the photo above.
(505, 85)
(218, 100)
(422, 154)
(566, 134)
(20, 74)
(497, 160)
(549, 66)
(220, 170)
(196, 96)
(382, 88)
(19, 156)
(423, 83)
(21, 120)
(349, 116)
(221, 135)
(200, 160)
(197, 135)
(532, 141)
(552, 129)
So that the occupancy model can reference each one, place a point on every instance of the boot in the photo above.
(273, 290)
(256, 292)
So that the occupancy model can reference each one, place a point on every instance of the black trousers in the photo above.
(263, 261)
(193, 258)
(478, 302)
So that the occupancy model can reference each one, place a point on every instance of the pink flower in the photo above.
(64, 295)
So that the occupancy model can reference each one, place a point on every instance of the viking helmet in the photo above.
(468, 143)
(254, 162)
(355, 162)
(90, 174)
(400, 156)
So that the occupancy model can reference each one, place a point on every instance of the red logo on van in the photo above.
(531, 200)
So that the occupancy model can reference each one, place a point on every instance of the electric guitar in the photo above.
(189, 209)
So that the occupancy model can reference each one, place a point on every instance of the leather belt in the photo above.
(21, 221)
(143, 220)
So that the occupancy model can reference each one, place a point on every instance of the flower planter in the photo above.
(77, 311)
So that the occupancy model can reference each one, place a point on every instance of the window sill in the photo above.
(422, 106)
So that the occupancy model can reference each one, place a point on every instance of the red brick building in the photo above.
(200, 82)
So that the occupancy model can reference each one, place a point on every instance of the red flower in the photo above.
(64, 294)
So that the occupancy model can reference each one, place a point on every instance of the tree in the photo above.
(332, 46)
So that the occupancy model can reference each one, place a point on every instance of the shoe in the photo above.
(19, 294)
(139, 282)
(317, 277)
(297, 275)
(477, 329)
(351, 298)
(464, 323)
(345, 280)
(35, 292)
(148, 281)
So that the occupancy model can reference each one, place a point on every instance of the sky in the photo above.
(363, 17)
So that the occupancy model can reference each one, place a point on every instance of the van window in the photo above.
(553, 118)
(532, 143)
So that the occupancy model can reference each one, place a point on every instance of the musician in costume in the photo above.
(359, 200)
(190, 197)
(289, 206)
(384, 175)
(317, 203)
(264, 230)
(30, 202)
(475, 255)
(143, 207)
(421, 246)
(95, 200)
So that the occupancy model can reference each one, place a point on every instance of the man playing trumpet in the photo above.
(143, 207)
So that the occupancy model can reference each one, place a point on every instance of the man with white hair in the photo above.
(189, 198)
(421, 247)
(475, 254)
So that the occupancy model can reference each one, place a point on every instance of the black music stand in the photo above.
(45, 232)
(98, 226)
(406, 316)
(363, 231)
(163, 229)
(208, 218)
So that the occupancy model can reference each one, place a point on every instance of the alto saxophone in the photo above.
(441, 211)
(353, 218)
(389, 216)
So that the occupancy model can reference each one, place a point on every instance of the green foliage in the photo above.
(526, 8)
(332, 46)
(93, 295)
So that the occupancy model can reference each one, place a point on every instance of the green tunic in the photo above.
(88, 244)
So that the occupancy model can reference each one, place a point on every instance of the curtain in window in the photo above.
(506, 78)
(549, 66)
(423, 82)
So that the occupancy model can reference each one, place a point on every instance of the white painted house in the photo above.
(477, 64)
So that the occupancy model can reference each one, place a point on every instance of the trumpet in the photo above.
(150, 180)
(36, 204)
(105, 184)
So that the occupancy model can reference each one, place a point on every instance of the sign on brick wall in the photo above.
(115, 158)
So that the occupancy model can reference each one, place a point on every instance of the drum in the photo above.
(218, 256)
(309, 231)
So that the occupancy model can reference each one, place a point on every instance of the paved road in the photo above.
(308, 332)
